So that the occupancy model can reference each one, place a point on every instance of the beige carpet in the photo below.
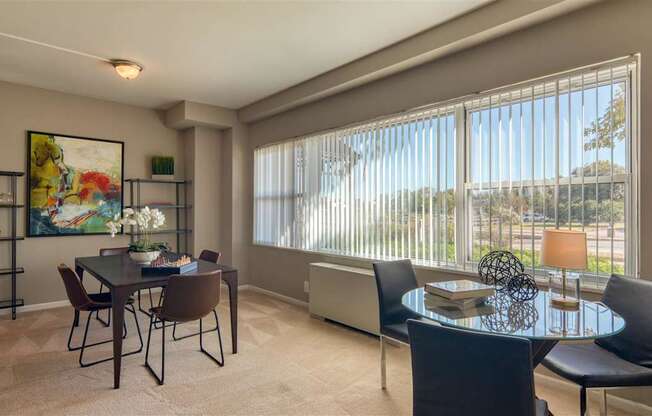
(288, 364)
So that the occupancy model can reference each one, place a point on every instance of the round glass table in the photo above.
(535, 319)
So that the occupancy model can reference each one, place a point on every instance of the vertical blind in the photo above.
(381, 190)
(555, 154)
(444, 185)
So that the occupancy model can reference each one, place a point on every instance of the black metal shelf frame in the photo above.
(180, 206)
(12, 238)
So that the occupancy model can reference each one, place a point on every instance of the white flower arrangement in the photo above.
(147, 220)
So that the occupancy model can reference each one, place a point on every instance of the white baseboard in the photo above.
(37, 307)
(48, 305)
(286, 299)
(620, 403)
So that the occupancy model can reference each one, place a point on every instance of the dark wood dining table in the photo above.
(123, 277)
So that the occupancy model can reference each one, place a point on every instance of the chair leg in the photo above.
(383, 365)
(72, 330)
(582, 401)
(174, 331)
(84, 346)
(161, 379)
(106, 323)
(604, 410)
(219, 337)
(140, 336)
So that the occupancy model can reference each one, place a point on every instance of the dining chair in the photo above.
(463, 373)
(622, 360)
(91, 302)
(393, 279)
(188, 298)
(211, 256)
(110, 251)
(206, 255)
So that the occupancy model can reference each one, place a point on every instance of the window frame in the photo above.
(461, 111)
(629, 179)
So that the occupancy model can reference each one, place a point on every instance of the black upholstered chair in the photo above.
(393, 279)
(91, 302)
(623, 360)
(187, 298)
(464, 373)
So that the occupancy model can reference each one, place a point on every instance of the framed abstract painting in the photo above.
(75, 184)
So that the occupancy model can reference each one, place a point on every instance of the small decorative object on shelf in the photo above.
(6, 198)
(564, 249)
(163, 167)
(498, 267)
(147, 221)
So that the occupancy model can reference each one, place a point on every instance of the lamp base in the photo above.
(567, 303)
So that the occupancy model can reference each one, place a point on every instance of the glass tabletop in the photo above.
(533, 319)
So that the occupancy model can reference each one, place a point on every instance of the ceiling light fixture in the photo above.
(126, 69)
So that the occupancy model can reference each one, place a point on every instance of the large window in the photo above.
(447, 184)
(380, 190)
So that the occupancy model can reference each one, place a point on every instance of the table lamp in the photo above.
(564, 249)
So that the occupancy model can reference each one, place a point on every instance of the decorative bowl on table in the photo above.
(143, 249)
(144, 257)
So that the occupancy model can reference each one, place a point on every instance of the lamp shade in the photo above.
(564, 249)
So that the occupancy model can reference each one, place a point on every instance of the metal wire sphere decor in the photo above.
(522, 287)
(498, 267)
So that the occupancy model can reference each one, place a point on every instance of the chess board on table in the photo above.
(169, 263)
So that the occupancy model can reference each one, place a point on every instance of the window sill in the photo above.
(542, 282)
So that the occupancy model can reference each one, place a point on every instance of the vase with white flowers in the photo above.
(143, 250)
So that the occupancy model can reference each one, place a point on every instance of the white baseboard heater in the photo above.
(344, 294)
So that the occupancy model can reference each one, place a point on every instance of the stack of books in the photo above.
(459, 298)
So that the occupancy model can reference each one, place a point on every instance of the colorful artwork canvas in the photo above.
(75, 184)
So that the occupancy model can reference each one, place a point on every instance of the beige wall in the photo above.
(604, 31)
(217, 159)
(26, 108)
(203, 152)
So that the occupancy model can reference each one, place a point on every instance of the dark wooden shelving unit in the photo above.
(13, 270)
(180, 206)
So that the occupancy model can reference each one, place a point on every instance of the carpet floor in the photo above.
(288, 364)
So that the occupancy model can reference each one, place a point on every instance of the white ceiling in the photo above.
(223, 53)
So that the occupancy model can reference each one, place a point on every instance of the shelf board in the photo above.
(179, 231)
(159, 206)
(4, 304)
(12, 206)
(11, 173)
(11, 239)
(145, 180)
(7, 270)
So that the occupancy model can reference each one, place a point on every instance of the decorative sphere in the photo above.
(522, 287)
(498, 267)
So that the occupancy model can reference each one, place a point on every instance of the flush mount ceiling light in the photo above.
(126, 69)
